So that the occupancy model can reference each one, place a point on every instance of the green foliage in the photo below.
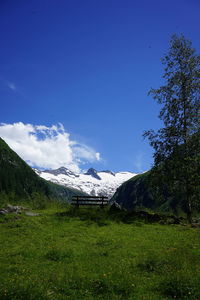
(177, 145)
(65, 254)
(152, 191)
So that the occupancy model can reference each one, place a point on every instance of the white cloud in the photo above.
(47, 147)
(98, 157)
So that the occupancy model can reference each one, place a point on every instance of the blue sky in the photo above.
(89, 65)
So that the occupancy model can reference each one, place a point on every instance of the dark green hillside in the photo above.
(135, 192)
(138, 192)
(19, 182)
(152, 191)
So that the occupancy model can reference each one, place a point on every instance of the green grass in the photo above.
(91, 254)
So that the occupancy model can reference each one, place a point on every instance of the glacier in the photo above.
(92, 182)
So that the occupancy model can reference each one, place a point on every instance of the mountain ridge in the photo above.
(92, 182)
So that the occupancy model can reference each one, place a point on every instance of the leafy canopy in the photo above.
(177, 144)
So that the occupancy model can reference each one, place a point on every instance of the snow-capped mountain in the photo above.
(92, 182)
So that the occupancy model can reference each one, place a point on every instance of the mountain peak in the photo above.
(91, 182)
(93, 173)
(61, 170)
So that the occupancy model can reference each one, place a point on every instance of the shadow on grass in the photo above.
(22, 291)
(180, 287)
(103, 217)
(58, 255)
(91, 288)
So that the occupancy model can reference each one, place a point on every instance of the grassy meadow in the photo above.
(93, 254)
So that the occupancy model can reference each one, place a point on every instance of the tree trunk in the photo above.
(189, 211)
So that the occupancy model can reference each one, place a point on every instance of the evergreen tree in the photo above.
(176, 145)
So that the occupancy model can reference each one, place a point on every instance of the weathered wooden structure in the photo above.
(89, 200)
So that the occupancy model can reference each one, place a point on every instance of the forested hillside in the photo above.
(18, 182)
(149, 190)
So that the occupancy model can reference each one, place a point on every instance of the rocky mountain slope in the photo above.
(92, 182)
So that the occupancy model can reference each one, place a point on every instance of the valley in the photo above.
(100, 150)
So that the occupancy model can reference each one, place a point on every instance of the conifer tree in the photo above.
(177, 144)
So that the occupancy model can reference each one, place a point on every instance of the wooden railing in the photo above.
(89, 200)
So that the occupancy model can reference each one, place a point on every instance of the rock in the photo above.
(31, 214)
(115, 207)
(93, 173)
(3, 211)
(12, 209)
